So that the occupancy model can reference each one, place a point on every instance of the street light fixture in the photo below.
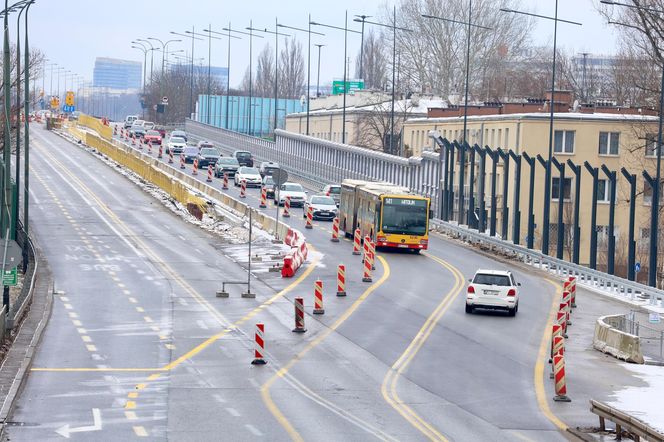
(319, 46)
(191, 80)
(547, 183)
(362, 19)
(654, 212)
(228, 63)
(346, 31)
(209, 37)
(309, 32)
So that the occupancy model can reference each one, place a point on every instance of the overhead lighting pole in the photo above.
(309, 32)
(26, 155)
(346, 31)
(191, 79)
(654, 212)
(362, 19)
(145, 58)
(319, 46)
(547, 183)
(209, 36)
(228, 64)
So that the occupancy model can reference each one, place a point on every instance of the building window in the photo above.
(603, 236)
(647, 193)
(651, 143)
(609, 143)
(603, 191)
(555, 190)
(564, 141)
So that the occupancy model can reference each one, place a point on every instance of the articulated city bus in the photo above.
(389, 214)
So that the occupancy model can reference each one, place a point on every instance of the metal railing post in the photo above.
(611, 175)
(594, 172)
(506, 183)
(531, 202)
(560, 239)
(631, 247)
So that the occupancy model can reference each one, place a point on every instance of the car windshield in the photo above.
(334, 190)
(191, 150)
(209, 151)
(206, 145)
(243, 154)
(405, 216)
(231, 161)
(249, 171)
(488, 279)
(154, 133)
(177, 140)
(292, 187)
(323, 200)
(268, 180)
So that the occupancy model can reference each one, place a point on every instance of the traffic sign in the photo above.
(67, 108)
(69, 98)
(637, 267)
(280, 176)
(654, 318)
(351, 85)
(164, 100)
(14, 253)
(10, 277)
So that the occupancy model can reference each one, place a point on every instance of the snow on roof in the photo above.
(421, 107)
(541, 116)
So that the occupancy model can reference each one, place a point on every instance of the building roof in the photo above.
(558, 116)
(420, 107)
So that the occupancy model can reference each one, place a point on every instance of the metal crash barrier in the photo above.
(624, 422)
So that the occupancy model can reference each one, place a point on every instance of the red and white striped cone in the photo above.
(341, 280)
(572, 289)
(133, 140)
(365, 248)
(561, 317)
(318, 298)
(170, 156)
(263, 203)
(194, 171)
(161, 152)
(286, 213)
(182, 163)
(225, 184)
(372, 254)
(567, 299)
(557, 331)
(357, 242)
(209, 177)
(309, 224)
(299, 316)
(243, 189)
(367, 270)
(150, 147)
(335, 230)
(559, 379)
(260, 345)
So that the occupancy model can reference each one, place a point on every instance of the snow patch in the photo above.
(645, 402)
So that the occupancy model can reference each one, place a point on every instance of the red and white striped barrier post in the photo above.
(567, 300)
(161, 152)
(310, 218)
(341, 280)
(170, 156)
(559, 379)
(260, 345)
(243, 189)
(335, 229)
(367, 269)
(209, 177)
(561, 317)
(299, 316)
(263, 203)
(194, 171)
(365, 248)
(286, 213)
(225, 184)
(556, 332)
(372, 254)
(115, 130)
(150, 147)
(133, 140)
(318, 298)
(182, 163)
(572, 289)
(357, 240)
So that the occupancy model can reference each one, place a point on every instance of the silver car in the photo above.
(322, 206)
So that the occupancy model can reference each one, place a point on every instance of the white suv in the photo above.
(493, 289)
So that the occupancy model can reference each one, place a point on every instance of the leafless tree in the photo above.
(264, 84)
(374, 63)
(375, 125)
(292, 70)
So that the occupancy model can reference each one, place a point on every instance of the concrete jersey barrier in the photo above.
(608, 339)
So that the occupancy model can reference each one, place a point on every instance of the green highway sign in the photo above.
(10, 277)
(351, 85)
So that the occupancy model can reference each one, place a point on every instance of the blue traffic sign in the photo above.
(67, 108)
(637, 267)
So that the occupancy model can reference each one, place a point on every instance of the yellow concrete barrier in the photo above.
(106, 132)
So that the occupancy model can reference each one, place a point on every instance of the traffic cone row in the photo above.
(558, 336)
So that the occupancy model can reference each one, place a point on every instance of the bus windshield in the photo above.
(405, 216)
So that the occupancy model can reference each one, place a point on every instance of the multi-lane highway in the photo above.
(139, 345)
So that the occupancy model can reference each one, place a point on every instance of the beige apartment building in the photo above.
(617, 139)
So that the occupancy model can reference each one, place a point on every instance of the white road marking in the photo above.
(201, 324)
(182, 237)
(233, 412)
(183, 301)
(218, 398)
(255, 431)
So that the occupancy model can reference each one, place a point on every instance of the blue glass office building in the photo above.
(117, 74)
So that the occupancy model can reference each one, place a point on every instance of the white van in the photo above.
(129, 120)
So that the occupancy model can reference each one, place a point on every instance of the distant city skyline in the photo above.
(113, 73)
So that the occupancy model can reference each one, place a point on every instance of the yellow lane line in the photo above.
(543, 356)
(90, 369)
(389, 385)
(265, 388)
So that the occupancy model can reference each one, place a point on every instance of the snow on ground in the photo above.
(644, 402)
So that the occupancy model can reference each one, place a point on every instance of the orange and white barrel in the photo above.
(243, 189)
(209, 176)
(182, 162)
(170, 156)
(194, 171)
(263, 203)
(225, 184)
(559, 379)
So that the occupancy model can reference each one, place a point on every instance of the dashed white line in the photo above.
(218, 398)
(233, 412)
(255, 431)
(201, 324)
(182, 237)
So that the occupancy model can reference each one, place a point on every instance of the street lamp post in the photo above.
(346, 31)
(228, 64)
(210, 37)
(191, 79)
(26, 155)
(319, 46)
(145, 58)
(547, 182)
(362, 19)
(309, 32)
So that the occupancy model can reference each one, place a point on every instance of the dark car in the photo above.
(268, 185)
(137, 131)
(268, 168)
(244, 158)
(207, 156)
(179, 133)
(190, 154)
(227, 165)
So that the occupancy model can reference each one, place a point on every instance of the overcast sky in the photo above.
(73, 33)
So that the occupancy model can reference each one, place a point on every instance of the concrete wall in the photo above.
(608, 339)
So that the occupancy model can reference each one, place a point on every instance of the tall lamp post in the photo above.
(191, 79)
(362, 19)
(309, 32)
(346, 31)
(654, 212)
(209, 36)
(394, 28)
(547, 178)
(228, 65)
(319, 46)
(145, 58)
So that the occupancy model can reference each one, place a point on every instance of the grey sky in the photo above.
(73, 32)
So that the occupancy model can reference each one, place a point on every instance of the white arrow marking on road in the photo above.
(65, 431)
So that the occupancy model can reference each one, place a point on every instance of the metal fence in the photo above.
(321, 162)
(18, 308)
(652, 339)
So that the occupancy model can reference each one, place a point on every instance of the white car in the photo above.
(175, 145)
(493, 289)
(295, 191)
(322, 206)
(148, 125)
(250, 175)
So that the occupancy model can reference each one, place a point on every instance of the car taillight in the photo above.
(328, 193)
(511, 292)
(424, 241)
(471, 289)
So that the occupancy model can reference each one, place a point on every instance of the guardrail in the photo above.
(323, 162)
(623, 421)
(18, 308)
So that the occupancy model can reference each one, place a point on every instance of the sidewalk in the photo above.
(15, 367)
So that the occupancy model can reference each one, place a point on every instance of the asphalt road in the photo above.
(138, 334)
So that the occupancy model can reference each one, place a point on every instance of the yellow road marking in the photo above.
(130, 405)
(170, 346)
(73, 315)
(154, 376)
(265, 388)
(81, 331)
(77, 323)
(140, 386)
(542, 356)
(147, 319)
(86, 338)
(102, 370)
(140, 432)
(91, 347)
(132, 395)
(140, 309)
(392, 376)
